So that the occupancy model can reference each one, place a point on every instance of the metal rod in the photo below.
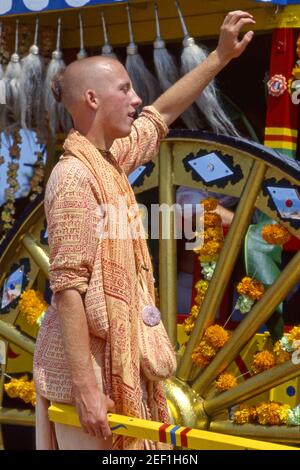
(17, 417)
(259, 314)
(225, 265)
(12, 335)
(167, 247)
(252, 387)
(37, 253)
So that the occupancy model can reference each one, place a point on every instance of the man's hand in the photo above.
(92, 407)
(229, 46)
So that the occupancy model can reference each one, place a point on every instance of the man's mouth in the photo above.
(133, 115)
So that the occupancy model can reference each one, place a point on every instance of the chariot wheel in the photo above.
(261, 180)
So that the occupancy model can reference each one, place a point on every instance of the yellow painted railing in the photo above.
(173, 434)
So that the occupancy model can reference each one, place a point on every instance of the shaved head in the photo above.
(90, 73)
(98, 94)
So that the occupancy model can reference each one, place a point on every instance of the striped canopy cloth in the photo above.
(17, 7)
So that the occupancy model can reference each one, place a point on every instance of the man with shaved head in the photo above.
(88, 347)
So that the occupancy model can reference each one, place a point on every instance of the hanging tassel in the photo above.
(168, 73)
(56, 113)
(208, 101)
(144, 83)
(82, 54)
(107, 49)
(12, 78)
(31, 85)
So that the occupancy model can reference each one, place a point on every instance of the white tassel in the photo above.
(208, 101)
(12, 78)
(143, 81)
(31, 85)
(82, 54)
(107, 50)
(168, 73)
(56, 113)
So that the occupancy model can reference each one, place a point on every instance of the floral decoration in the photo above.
(225, 382)
(250, 291)
(213, 339)
(275, 234)
(22, 388)
(32, 306)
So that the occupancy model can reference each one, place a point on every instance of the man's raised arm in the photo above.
(183, 93)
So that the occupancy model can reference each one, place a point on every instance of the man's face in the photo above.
(119, 103)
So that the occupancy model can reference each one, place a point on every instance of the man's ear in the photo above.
(91, 98)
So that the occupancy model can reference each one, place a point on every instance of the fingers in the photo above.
(234, 16)
(245, 41)
(242, 22)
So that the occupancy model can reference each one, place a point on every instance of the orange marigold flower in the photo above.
(188, 325)
(245, 414)
(210, 251)
(225, 382)
(262, 361)
(275, 234)
(216, 336)
(201, 286)
(268, 414)
(251, 288)
(211, 219)
(209, 204)
(200, 360)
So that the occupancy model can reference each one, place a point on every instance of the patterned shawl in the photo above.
(117, 263)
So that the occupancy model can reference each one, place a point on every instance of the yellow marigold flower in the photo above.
(188, 325)
(294, 334)
(262, 361)
(209, 204)
(214, 234)
(32, 305)
(13, 388)
(195, 311)
(251, 288)
(281, 356)
(275, 234)
(268, 414)
(199, 299)
(245, 414)
(225, 382)
(216, 336)
(202, 286)
(284, 413)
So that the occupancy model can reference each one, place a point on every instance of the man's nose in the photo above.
(136, 99)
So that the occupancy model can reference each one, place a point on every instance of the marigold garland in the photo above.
(225, 382)
(263, 360)
(208, 256)
(32, 306)
(268, 413)
(22, 388)
(275, 234)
